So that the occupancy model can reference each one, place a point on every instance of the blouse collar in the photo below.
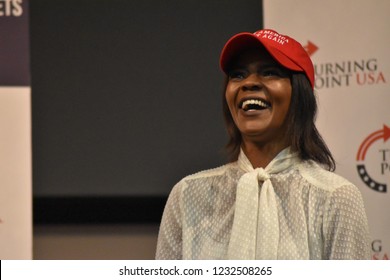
(285, 158)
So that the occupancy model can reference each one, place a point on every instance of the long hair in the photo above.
(301, 130)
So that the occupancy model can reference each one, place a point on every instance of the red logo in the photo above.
(361, 155)
(310, 48)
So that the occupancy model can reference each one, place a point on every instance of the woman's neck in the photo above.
(261, 155)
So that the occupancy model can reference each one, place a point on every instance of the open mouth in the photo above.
(254, 104)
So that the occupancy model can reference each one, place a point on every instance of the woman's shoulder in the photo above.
(208, 177)
(202, 182)
(212, 172)
(321, 178)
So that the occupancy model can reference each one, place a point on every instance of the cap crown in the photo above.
(284, 49)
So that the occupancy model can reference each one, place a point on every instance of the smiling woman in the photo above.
(277, 198)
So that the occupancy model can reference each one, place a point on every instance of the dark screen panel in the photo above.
(127, 94)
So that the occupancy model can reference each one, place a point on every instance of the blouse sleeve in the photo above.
(346, 233)
(169, 243)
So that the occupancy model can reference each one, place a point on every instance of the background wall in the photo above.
(125, 102)
(95, 242)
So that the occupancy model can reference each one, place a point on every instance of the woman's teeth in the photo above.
(254, 104)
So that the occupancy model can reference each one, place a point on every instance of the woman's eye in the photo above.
(236, 75)
(271, 72)
(274, 72)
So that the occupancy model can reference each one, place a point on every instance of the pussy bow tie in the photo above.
(255, 231)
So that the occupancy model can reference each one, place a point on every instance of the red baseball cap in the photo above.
(284, 49)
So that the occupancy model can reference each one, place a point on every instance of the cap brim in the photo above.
(235, 45)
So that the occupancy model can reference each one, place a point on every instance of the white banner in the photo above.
(15, 133)
(348, 41)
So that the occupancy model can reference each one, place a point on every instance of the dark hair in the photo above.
(301, 129)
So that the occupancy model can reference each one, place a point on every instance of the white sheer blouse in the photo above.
(291, 209)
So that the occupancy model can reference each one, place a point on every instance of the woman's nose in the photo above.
(252, 83)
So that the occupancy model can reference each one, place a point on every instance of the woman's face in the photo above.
(258, 95)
